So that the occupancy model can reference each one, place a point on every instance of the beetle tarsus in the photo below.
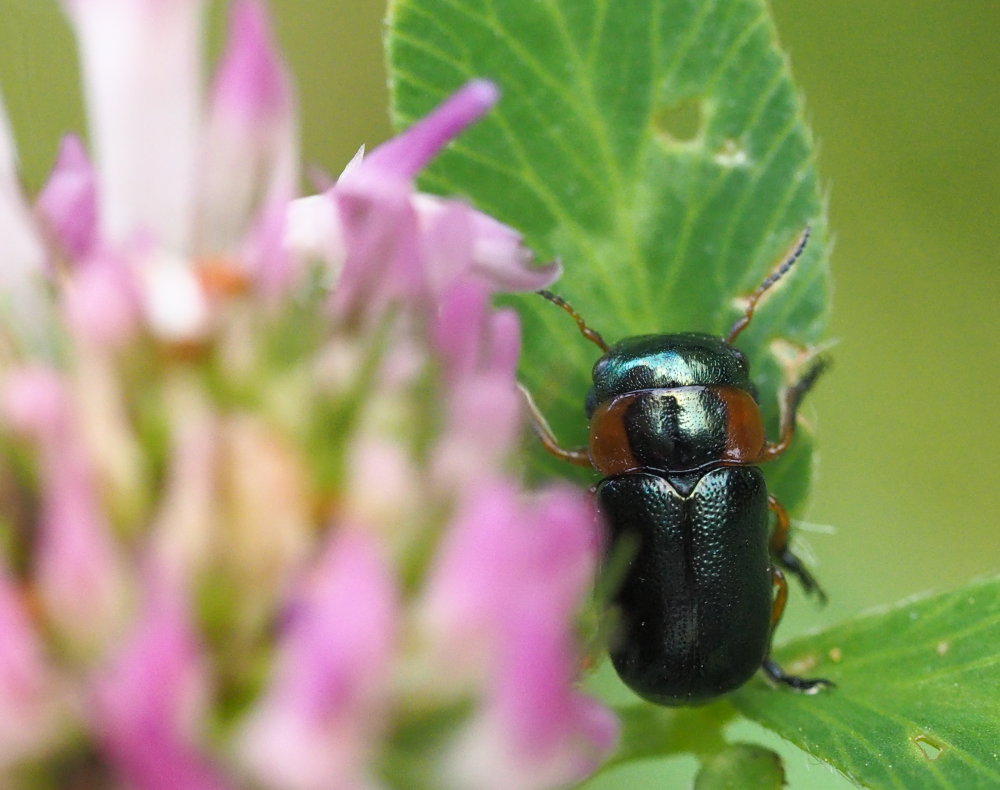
(791, 563)
(784, 556)
(801, 685)
(799, 389)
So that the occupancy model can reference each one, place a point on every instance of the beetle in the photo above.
(676, 431)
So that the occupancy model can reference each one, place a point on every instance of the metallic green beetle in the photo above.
(676, 430)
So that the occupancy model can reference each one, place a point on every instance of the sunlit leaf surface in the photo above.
(917, 703)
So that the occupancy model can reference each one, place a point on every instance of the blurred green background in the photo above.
(904, 99)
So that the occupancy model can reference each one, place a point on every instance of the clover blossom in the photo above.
(259, 519)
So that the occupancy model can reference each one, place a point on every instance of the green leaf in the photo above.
(655, 146)
(917, 703)
(653, 731)
(650, 731)
(742, 766)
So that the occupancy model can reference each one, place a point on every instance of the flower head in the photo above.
(258, 500)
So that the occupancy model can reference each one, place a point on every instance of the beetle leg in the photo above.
(780, 597)
(784, 555)
(770, 666)
(790, 402)
(804, 685)
(540, 426)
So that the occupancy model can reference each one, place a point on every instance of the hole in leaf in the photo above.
(929, 747)
(681, 122)
(732, 155)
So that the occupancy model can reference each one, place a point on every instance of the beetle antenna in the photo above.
(591, 334)
(789, 259)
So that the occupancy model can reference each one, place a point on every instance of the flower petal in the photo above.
(473, 578)
(491, 252)
(173, 298)
(535, 730)
(141, 80)
(27, 690)
(406, 154)
(499, 257)
(79, 573)
(313, 232)
(320, 716)
(447, 241)
(68, 201)
(513, 575)
(22, 259)
(459, 329)
(250, 148)
(474, 340)
(148, 701)
(266, 251)
(102, 302)
(505, 344)
(33, 401)
(483, 425)
(381, 240)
